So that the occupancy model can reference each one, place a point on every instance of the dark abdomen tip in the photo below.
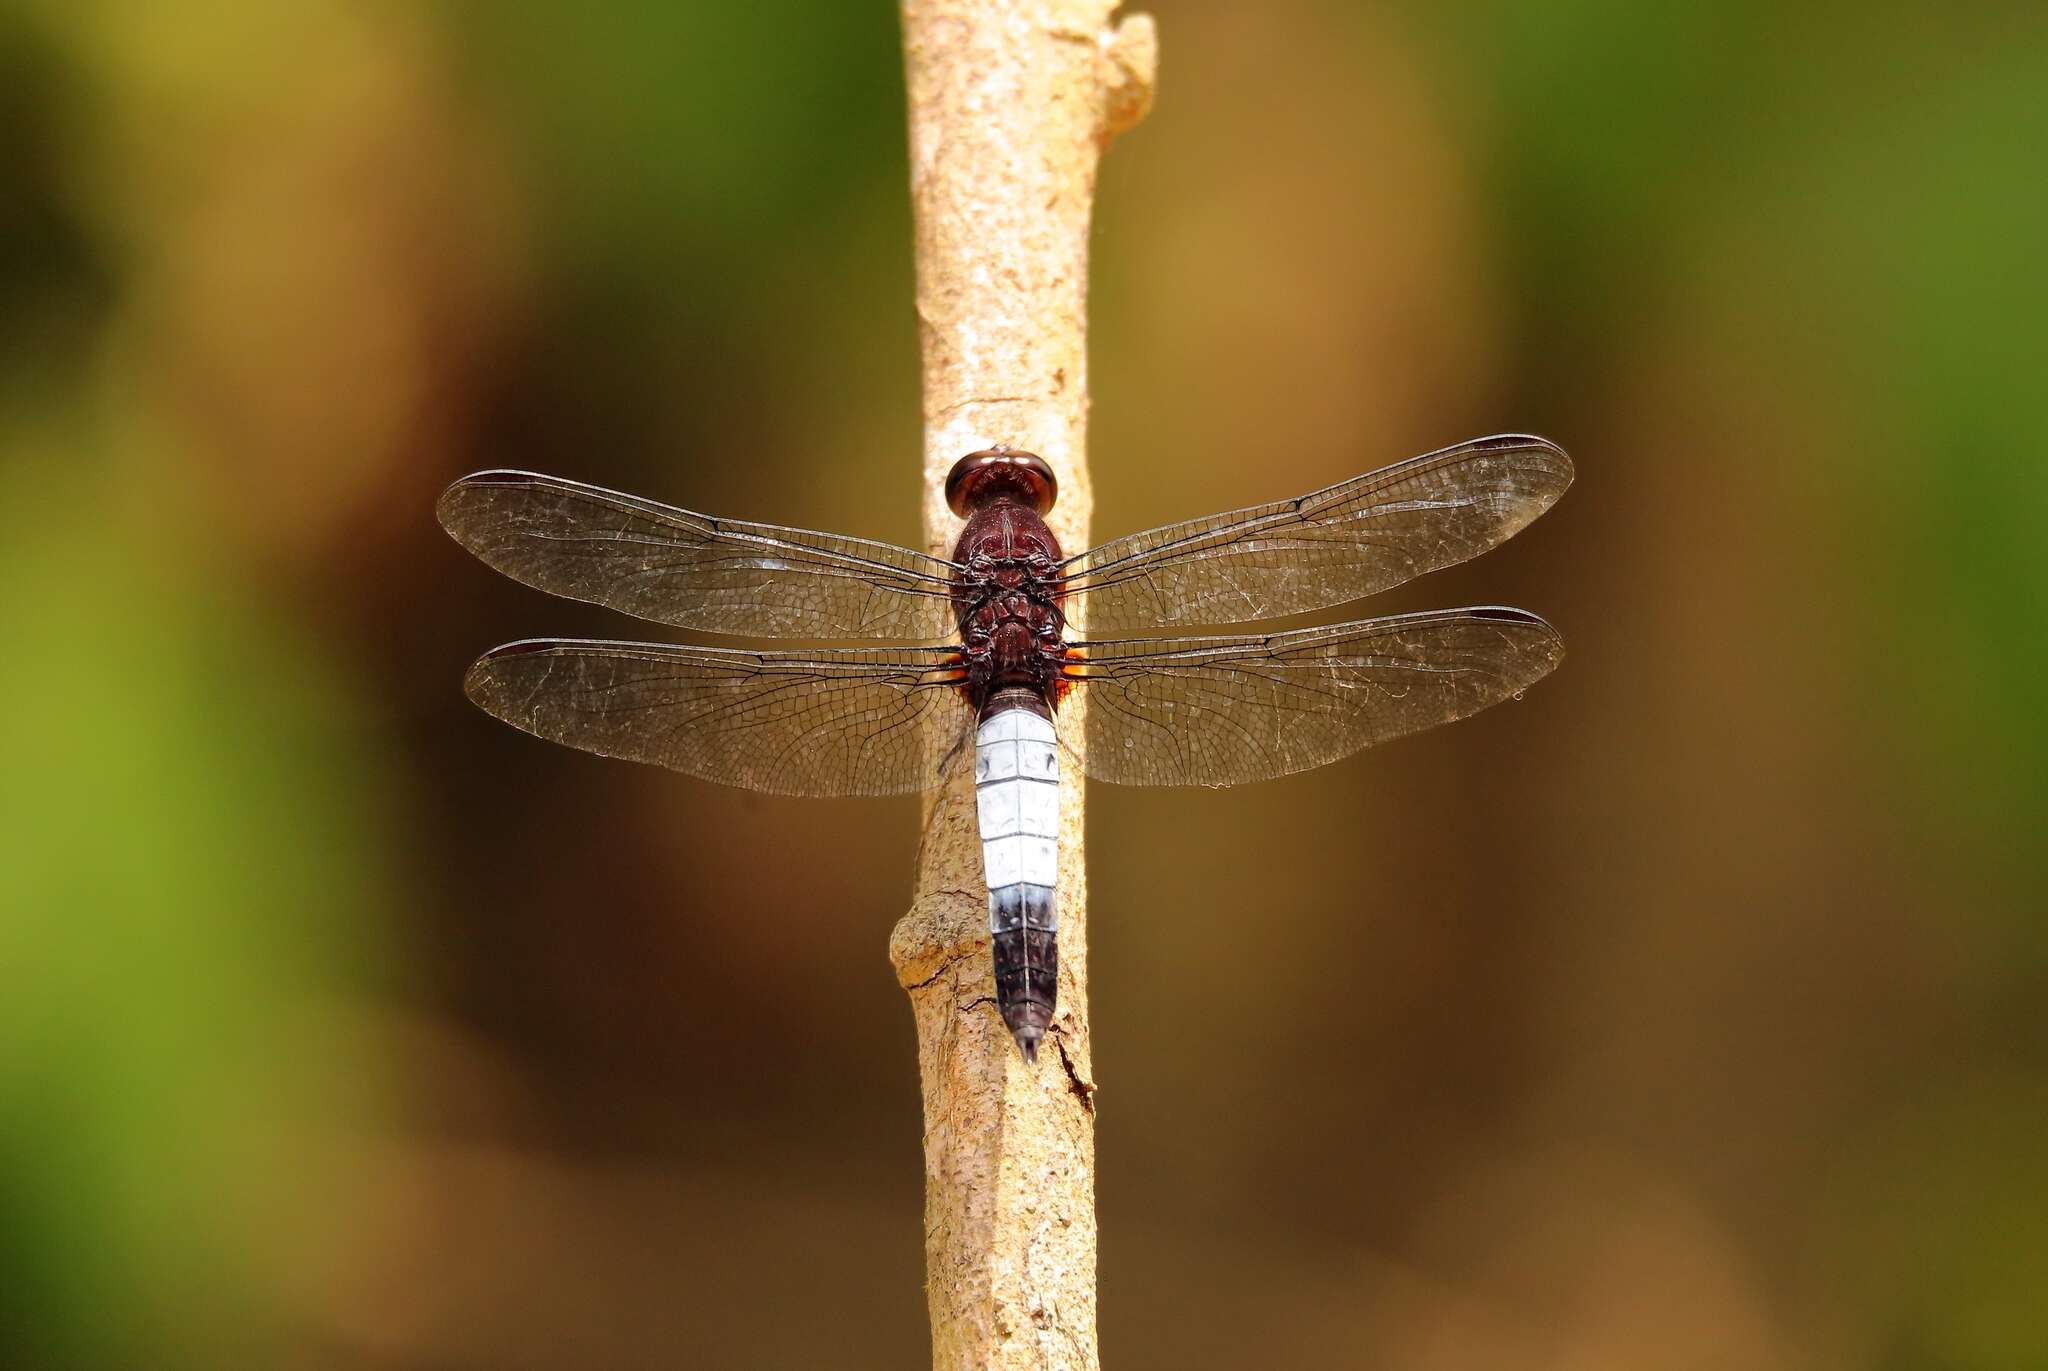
(1027, 978)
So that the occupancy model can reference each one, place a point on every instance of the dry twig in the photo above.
(1011, 104)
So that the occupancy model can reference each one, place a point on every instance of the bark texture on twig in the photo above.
(1011, 104)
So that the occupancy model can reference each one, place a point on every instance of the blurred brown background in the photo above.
(1683, 1015)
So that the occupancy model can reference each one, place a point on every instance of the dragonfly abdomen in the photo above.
(1017, 799)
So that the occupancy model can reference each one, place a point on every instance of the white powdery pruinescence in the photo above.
(1017, 793)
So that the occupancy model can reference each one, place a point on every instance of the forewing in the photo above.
(1222, 711)
(692, 571)
(878, 722)
(1350, 540)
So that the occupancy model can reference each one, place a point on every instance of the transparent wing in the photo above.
(1353, 539)
(674, 567)
(876, 722)
(1222, 711)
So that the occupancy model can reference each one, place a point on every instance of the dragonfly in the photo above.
(968, 655)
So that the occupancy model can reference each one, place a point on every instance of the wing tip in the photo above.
(1543, 631)
(448, 504)
(480, 682)
(1552, 461)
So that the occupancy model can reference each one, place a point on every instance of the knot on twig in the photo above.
(1129, 63)
(941, 930)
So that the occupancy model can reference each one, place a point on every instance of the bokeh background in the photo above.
(1686, 1014)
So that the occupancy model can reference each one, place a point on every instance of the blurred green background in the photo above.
(1683, 1015)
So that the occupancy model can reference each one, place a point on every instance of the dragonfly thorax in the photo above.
(1007, 599)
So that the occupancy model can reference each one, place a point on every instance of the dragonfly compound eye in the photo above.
(982, 476)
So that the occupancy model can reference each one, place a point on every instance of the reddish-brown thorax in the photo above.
(1007, 597)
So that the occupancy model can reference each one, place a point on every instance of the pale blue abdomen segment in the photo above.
(1017, 794)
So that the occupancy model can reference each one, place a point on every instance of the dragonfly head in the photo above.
(980, 477)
